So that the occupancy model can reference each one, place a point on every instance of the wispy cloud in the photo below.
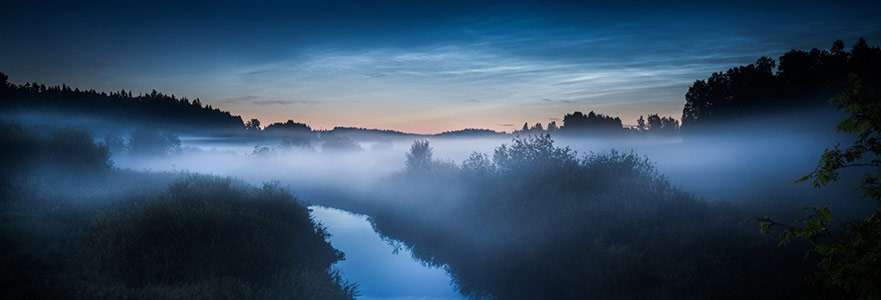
(517, 68)
(282, 102)
(239, 99)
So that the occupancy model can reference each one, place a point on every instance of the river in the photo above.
(372, 263)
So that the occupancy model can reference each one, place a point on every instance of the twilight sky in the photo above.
(414, 65)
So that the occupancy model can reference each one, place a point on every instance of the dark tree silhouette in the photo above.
(851, 260)
(803, 79)
(579, 122)
(292, 133)
(419, 157)
(658, 124)
(253, 125)
(149, 141)
(155, 108)
(286, 128)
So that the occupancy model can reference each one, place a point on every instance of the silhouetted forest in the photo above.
(756, 93)
(158, 110)
(121, 107)
(799, 79)
(578, 121)
(469, 132)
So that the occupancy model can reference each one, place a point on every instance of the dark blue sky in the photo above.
(415, 66)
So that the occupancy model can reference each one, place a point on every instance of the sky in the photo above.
(415, 66)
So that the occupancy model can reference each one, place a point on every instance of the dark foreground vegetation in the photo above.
(797, 80)
(539, 221)
(73, 227)
(851, 256)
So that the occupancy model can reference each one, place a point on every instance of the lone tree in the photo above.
(851, 260)
(419, 157)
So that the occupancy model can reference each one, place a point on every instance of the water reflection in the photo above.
(373, 264)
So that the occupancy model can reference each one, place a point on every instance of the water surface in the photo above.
(373, 263)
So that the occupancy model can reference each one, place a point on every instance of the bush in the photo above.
(538, 222)
(148, 141)
(71, 147)
(67, 150)
(337, 143)
(215, 238)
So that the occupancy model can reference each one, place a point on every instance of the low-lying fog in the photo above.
(750, 169)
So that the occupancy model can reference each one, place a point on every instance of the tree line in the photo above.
(798, 79)
(122, 106)
(578, 123)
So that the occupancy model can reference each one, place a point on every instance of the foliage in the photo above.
(419, 157)
(71, 149)
(658, 124)
(75, 148)
(530, 151)
(852, 260)
(864, 106)
(253, 125)
(289, 128)
(803, 79)
(534, 220)
(149, 141)
(258, 242)
(73, 227)
(122, 106)
(478, 164)
(578, 122)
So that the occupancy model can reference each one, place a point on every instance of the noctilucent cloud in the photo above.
(413, 66)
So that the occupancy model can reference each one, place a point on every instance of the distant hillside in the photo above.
(117, 108)
(361, 134)
(375, 134)
(469, 133)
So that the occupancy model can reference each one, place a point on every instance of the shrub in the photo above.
(337, 143)
(68, 150)
(148, 141)
(538, 222)
(214, 235)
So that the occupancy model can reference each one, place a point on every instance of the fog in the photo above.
(747, 167)
(502, 233)
(744, 162)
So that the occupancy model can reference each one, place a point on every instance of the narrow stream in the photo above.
(373, 264)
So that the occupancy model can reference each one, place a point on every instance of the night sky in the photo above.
(414, 66)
